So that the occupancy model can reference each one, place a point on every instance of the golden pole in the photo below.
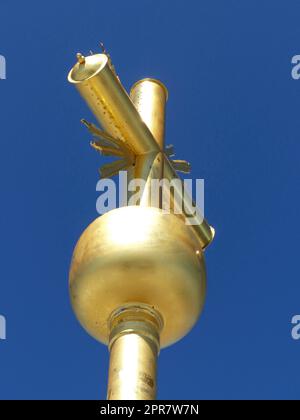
(134, 346)
(137, 278)
(134, 338)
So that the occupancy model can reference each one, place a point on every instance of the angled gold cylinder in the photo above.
(103, 92)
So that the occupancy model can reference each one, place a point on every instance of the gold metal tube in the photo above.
(134, 347)
(202, 229)
(149, 97)
(149, 167)
(103, 92)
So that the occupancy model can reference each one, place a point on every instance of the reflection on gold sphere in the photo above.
(138, 255)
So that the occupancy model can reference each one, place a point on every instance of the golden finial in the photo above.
(80, 58)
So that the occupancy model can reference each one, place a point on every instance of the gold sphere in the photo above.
(138, 255)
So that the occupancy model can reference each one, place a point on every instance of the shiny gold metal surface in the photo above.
(134, 347)
(138, 254)
(137, 277)
(99, 86)
(110, 103)
(149, 97)
(147, 168)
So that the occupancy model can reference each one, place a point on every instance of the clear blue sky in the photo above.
(233, 112)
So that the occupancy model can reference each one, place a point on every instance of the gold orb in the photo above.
(138, 255)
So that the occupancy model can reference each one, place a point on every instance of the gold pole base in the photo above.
(134, 347)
